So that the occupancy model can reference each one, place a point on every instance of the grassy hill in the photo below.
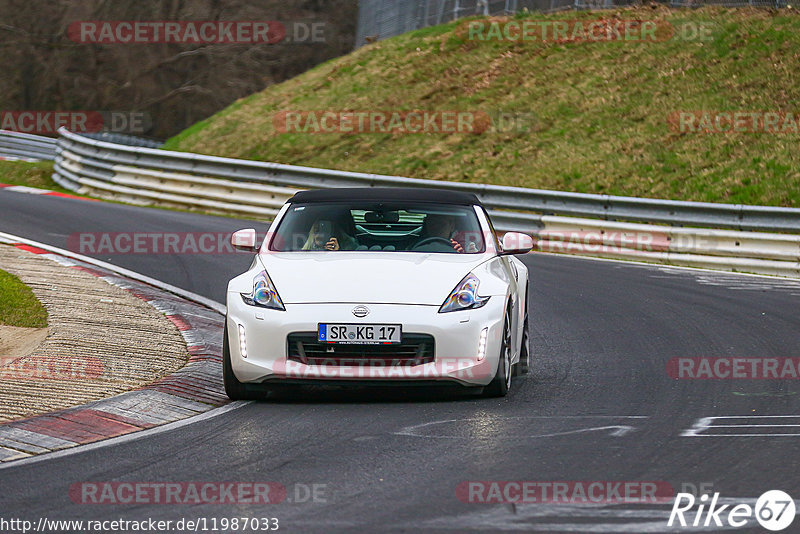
(598, 116)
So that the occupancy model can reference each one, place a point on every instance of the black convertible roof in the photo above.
(388, 194)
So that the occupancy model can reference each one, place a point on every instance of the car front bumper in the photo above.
(456, 340)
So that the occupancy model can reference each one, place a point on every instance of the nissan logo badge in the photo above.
(360, 311)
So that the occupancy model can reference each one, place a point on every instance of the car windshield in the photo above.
(385, 226)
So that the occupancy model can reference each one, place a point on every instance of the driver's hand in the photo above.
(333, 244)
(457, 246)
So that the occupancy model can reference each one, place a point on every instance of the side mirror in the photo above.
(244, 240)
(516, 243)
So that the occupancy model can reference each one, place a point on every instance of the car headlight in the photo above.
(464, 296)
(264, 294)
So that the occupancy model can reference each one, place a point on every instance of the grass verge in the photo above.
(18, 305)
(29, 173)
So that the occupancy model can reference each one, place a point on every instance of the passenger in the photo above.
(326, 234)
(436, 231)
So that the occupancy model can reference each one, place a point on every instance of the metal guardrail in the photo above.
(124, 139)
(38, 147)
(26, 146)
(83, 162)
(731, 250)
(257, 190)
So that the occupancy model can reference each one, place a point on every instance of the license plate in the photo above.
(359, 334)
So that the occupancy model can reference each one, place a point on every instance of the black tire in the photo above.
(523, 367)
(234, 389)
(501, 382)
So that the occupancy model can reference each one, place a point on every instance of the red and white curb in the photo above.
(42, 192)
(194, 389)
(18, 158)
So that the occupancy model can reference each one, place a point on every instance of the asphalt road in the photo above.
(598, 406)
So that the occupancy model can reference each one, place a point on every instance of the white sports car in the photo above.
(383, 286)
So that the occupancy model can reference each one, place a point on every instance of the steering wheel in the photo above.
(431, 240)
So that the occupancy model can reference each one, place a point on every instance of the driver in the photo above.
(443, 227)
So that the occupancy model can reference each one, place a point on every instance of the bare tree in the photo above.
(176, 84)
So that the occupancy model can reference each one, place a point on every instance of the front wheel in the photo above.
(525, 360)
(234, 389)
(501, 382)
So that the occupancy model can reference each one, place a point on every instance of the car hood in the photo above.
(367, 277)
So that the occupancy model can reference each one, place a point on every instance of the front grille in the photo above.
(415, 349)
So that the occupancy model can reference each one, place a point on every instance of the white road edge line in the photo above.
(194, 297)
(127, 437)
